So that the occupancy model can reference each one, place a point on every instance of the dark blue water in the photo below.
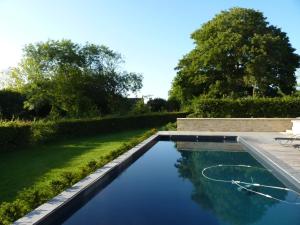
(165, 186)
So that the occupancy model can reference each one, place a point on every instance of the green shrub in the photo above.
(246, 107)
(11, 104)
(170, 126)
(70, 178)
(30, 198)
(140, 107)
(33, 197)
(56, 186)
(92, 165)
(43, 131)
(18, 133)
(14, 133)
(11, 211)
(157, 105)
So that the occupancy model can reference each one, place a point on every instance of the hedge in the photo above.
(17, 133)
(30, 198)
(246, 107)
(11, 104)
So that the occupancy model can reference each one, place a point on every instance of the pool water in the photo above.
(166, 186)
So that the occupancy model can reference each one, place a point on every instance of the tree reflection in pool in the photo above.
(165, 186)
(226, 200)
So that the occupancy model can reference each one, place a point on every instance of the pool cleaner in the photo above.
(251, 188)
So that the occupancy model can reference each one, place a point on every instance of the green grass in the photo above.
(36, 165)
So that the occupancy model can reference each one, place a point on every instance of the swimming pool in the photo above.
(180, 182)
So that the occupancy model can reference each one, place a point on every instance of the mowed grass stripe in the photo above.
(37, 165)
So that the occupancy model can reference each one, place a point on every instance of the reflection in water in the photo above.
(153, 191)
(226, 200)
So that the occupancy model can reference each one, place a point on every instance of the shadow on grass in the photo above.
(24, 167)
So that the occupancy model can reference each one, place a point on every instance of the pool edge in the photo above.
(46, 210)
(277, 170)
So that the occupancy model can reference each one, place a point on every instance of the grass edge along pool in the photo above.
(68, 201)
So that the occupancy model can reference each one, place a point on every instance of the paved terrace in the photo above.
(284, 161)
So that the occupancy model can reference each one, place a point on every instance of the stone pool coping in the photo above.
(284, 161)
(49, 208)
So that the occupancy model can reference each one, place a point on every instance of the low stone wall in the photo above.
(209, 146)
(235, 124)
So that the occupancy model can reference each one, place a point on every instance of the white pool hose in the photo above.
(247, 186)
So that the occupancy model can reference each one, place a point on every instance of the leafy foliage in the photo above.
(71, 79)
(157, 105)
(140, 107)
(14, 133)
(246, 107)
(237, 54)
(170, 126)
(173, 105)
(11, 104)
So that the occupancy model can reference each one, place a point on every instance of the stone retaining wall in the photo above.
(234, 124)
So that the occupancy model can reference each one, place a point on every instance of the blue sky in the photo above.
(152, 35)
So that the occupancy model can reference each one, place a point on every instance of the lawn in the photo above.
(34, 166)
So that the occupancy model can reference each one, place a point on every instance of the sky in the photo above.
(151, 35)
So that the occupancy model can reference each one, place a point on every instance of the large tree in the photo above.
(72, 79)
(237, 54)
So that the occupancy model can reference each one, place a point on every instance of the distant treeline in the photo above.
(62, 79)
(12, 107)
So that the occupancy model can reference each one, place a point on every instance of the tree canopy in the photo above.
(72, 79)
(157, 104)
(237, 54)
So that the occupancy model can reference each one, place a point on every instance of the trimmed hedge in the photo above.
(14, 133)
(30, 198)
(18, 133)
(11, 104)
(246, 107)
